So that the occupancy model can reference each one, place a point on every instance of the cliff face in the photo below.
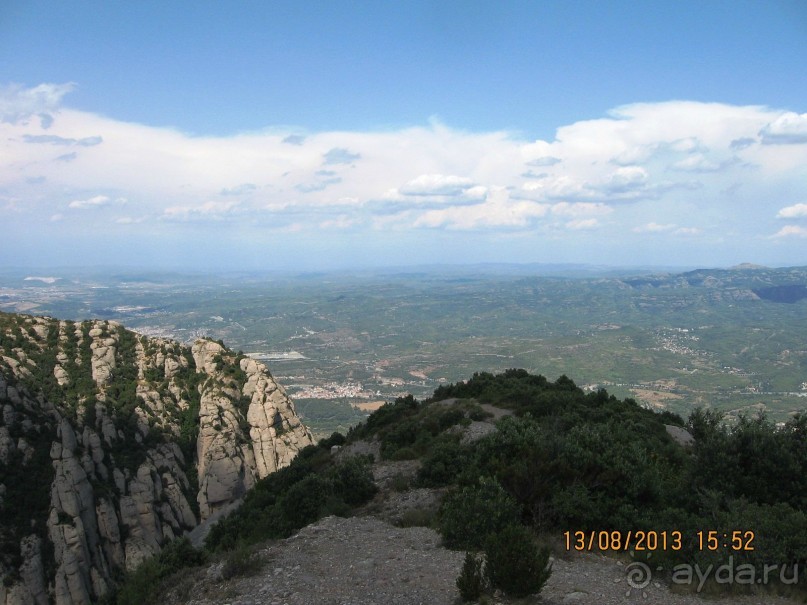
(112, 444)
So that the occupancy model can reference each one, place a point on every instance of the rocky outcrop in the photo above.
(246, 431)
(113, 444)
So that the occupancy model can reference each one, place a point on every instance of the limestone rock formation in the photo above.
(113, 444)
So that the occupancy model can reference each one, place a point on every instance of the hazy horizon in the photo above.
(34, 273)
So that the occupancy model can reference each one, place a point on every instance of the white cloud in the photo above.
(343, 221)
(654, 228)
(626, 181)
(18, 104)
(55, 218)
(546, 160)
(699, 162)
(794, 211)
(209, 210)
(636, 163)
(129, 220)
(791, 231)
(580, 209)
(498, 210)
(582, 224)
(789, 128)
(93, 202)
(51, 139)
(436, 184)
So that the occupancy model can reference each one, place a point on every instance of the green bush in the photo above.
(449, 418)
(143, 585)
(301, 505)
(471, 581)
(443, 464)
(353, 481)
(335, 439)
(177, 555)
(514, 563)
(239, 562)
(470, 514)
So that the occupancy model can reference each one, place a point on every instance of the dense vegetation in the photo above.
(311, 487)
(563, 460)
(571, 460)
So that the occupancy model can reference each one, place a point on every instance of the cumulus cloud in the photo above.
(97, 201)
(498, 210)
(794, 211)
(700, 162)
(626, 180)
(787, 129)
(18, 103)
(791, 231)
(436, 184)
(666, 228)
(654, 228)
(640, 160)
(581, 224)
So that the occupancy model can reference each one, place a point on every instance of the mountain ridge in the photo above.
(113, 443)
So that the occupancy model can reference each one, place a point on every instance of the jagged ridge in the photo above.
(112, 444)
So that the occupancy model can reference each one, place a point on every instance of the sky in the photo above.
(326, 135)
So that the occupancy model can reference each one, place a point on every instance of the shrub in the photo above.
(177, 555)
(417, 517)
(400, 483)
(514, 563)
(443, 464)
(353, 481)
(301, 505)
(449, 418)
(335, 439)
(467, 516)
(471, 581)
(239, 562)
(143, 585)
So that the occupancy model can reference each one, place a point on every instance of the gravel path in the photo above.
(366, 561)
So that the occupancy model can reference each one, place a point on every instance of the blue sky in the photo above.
(321, 135)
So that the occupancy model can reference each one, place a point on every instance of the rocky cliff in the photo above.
(112, 444)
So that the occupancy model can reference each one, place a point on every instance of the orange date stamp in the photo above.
(666, 540)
